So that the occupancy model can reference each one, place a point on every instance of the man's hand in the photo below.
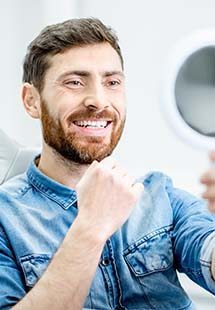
(208, 179)
(106, 197)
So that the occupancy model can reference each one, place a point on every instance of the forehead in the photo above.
(99, 57)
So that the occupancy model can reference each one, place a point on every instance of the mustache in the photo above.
(92, 115)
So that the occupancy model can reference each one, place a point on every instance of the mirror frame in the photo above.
(179, 54)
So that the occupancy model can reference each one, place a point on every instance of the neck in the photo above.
(60, 169)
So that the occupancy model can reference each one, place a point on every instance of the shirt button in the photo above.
(105, 262)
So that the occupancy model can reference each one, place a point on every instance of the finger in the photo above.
(129, 180)
(92, 166)
(87, 173)
(211, 206)
(123, 175)
(121, 172)
(209, 193)
(212, 155)
(208, 177)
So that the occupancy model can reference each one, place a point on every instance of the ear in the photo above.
(31, 100)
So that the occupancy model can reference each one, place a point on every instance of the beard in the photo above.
(70, 145)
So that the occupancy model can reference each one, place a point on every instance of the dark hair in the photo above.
(57, 38)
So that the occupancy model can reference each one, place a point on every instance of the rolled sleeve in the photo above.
(11, 288)
(193, 237)
(206, 261)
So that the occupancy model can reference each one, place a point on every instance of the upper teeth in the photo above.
(92, 123)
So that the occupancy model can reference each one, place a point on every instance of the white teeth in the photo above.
(95, 124)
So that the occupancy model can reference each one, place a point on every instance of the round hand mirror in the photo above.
(189, 90)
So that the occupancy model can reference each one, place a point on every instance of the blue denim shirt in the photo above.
(168, 230)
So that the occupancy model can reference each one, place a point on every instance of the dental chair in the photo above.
(14, 158)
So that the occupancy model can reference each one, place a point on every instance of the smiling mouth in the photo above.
(94, 124)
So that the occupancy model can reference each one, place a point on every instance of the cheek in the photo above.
(121, 109)
(59, 109)
(65, 103)
(118, 101)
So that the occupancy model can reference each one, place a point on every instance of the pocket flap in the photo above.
(150, 254)
(34, 266)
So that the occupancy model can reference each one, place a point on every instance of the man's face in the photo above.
(83, 103)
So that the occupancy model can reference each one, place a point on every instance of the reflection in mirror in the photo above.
(195, 91)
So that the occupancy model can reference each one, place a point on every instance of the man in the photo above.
(76, 230)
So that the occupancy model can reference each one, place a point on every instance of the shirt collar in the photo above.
(61, 194)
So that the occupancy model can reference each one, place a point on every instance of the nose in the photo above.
(96, 99)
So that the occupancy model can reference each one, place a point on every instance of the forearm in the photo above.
(67, 280)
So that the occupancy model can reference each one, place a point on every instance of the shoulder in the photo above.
(156, 177)
(14, 188)
(158, 184)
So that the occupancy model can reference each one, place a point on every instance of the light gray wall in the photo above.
(20, 22)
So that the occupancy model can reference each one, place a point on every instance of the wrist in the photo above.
(89, 232)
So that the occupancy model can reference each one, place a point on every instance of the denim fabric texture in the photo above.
(168, 230)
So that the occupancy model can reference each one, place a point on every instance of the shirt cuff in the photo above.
(206, 261)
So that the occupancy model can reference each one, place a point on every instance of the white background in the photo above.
(147, 30)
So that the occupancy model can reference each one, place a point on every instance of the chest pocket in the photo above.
(33, 267)
(151, 254)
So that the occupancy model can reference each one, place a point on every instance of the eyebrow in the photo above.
(84, 73)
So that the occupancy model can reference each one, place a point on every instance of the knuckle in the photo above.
(112, 177)
(102, 172)
(98, 170)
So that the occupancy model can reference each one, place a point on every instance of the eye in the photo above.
(114, 83)
(73, 83)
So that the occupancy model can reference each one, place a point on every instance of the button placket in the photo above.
(105, 262)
